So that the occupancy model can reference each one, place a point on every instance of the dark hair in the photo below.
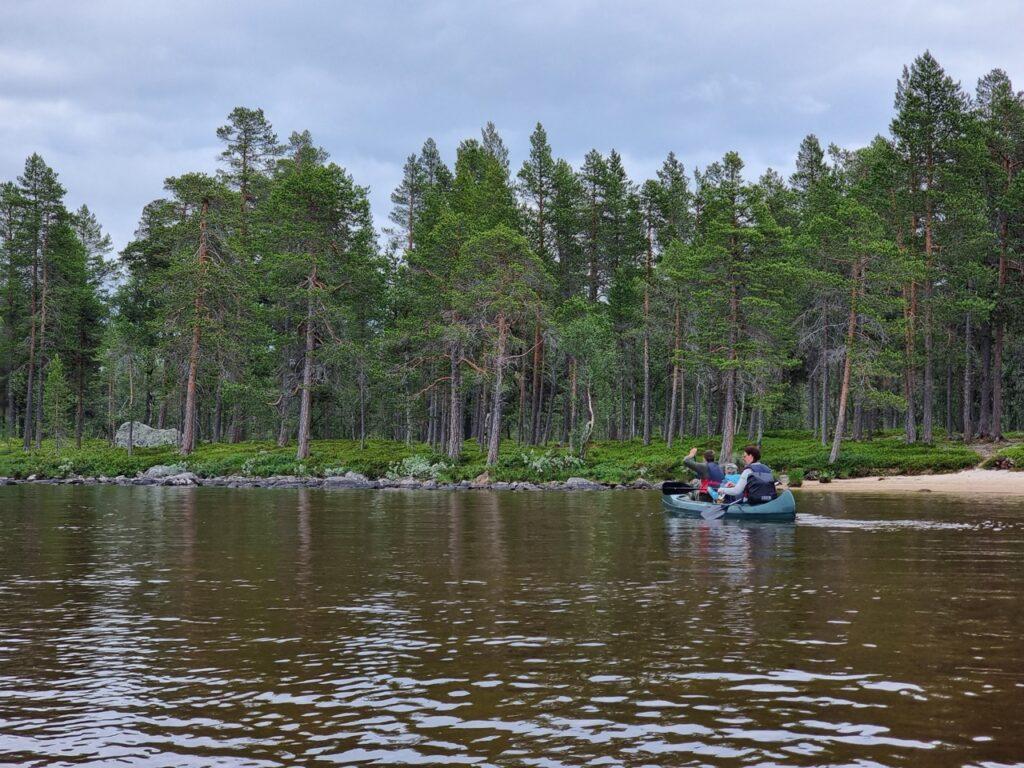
(709, 455)
(753, 450)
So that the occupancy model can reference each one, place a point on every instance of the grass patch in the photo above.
(1010, 457)
(607, 461)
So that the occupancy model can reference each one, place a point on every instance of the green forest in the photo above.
(871, 294)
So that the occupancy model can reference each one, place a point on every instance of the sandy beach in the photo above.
(995, 482)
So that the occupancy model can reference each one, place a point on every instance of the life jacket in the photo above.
(760, 485)
(714, 478)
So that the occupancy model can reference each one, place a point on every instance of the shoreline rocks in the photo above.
(178, 476)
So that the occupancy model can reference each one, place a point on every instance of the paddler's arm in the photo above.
(698, 468)
(735, 491)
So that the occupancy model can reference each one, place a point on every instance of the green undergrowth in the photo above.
(607, 461)
(1010, 457)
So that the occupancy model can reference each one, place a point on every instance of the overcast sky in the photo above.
(119, 95)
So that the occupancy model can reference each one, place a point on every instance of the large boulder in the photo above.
(349, 480)
(144, 436)
(161, 471)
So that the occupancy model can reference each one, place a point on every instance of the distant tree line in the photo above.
(876, 288)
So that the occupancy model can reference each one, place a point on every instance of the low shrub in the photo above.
(418, 466)
(612, 462)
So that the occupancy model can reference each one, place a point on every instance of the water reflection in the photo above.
(208, 627)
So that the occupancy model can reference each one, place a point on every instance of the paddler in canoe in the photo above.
(709, 472)
(752, 496)
(756, 484)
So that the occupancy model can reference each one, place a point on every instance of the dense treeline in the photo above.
(875, 289)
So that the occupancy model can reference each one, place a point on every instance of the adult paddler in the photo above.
(708, 471)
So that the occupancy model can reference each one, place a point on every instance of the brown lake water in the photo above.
(219, 627)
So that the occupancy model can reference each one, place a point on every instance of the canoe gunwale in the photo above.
(782, 508)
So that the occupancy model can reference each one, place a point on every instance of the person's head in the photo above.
(751, 454)
(731, 468)
(709, 455)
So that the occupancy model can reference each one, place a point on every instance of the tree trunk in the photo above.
(499, 371)
(647, 337)
(361, 380)
(928, 390)
(455, 406)
(682, 402)
(588, 428)
(572, 401)
(823, 418)
(968, 393)
(306, 399)
(844, 387)
(521, 429)
(729, 412)
(218, 411)
(79, 400)
(44, 305)
(188, 434)
(131, 406)
(30, 376)
(985, 393)
(537, 390)
(910, 419)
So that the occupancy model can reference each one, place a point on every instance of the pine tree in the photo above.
(57, 400)
(1000, 112)
(251, 150)
(929, 122)
(495, 146)
(319, 238)
(497, 281)
(40, 198)
(407, 199)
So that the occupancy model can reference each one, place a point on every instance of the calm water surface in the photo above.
(217, 627)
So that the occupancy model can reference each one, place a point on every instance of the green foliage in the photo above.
(57, 401)
(419, 466)
(1011, 457)
(608, 461)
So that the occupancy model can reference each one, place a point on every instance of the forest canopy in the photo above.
(874, 289)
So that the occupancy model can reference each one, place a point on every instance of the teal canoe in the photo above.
(781, 509)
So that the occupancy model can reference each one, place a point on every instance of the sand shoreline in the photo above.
(973, 482)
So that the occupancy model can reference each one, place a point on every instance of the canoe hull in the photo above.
(782, 509)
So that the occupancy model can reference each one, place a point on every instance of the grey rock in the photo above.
(185, 478)
(642, 485)
(161, 471)
(145, 436)
(500, 486)
(582, 484)
(349, 480)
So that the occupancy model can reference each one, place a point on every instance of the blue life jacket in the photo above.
(715, 474)
(760, 485)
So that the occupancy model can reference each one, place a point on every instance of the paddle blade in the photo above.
(713, 513)
(673, 487)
